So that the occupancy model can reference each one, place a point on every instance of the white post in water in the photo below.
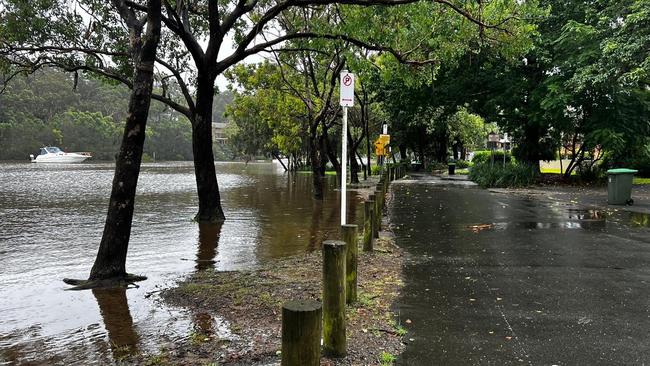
(346, 100)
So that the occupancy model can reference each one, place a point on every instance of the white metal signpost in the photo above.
(346, 100)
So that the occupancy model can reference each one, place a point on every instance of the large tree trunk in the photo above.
(368, 159)
(111, 257)
(322, 157)
(456, 147)
(210, 210)
(354, 165)
(314, 157)
(529, 148)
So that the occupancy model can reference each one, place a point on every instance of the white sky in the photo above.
(225, 51)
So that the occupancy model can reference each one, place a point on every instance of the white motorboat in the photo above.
(52, 154)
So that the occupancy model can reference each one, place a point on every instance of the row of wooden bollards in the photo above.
(304, 321)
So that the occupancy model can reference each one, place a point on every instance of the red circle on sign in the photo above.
(347, 80)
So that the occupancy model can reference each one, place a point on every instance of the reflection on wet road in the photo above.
(496, 279)
(51, 220)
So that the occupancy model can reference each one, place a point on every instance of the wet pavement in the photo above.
(505, 279)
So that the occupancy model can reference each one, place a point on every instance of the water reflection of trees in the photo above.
(114, 309)
(288, 217)
(640, 219)
(207, 245)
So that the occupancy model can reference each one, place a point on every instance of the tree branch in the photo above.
(176, 25)
(181, 84)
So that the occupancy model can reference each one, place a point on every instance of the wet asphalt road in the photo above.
(493, 279)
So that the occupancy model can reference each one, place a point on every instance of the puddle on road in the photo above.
(639, 219)
(587, 214)
(576, 219)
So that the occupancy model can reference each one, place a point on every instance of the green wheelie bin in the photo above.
(619, 186)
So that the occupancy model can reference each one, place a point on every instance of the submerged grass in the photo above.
(251, 303)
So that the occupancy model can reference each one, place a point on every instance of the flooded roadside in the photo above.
(51, 219)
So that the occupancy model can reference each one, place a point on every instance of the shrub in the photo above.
(640, 162)
(483, 156)
(438, 166)
(511, 175)
(462, 164)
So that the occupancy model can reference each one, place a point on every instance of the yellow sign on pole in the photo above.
(379, 148)
(385, 139)
(381, 145)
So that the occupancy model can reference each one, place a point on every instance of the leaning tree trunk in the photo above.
(210, 210)
(331, 154)
(354, 170)
(111, 257)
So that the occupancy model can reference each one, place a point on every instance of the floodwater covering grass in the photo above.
(250, 302)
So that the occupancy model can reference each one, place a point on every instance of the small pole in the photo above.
(301, 333)
(349, 234)
(374, 231)
(334, 257)
(344, 166)
(377, 215)
(369, 224)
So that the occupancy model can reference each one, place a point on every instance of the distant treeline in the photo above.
(47, 108)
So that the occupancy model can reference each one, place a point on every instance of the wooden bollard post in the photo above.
(375, 212)
(369, 224)
(302, 322)
(377, 197)
(334, 256)
(378, 201)
(349, 234)
(382, 196)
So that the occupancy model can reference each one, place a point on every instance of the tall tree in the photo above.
(110, 263)
(193, 39)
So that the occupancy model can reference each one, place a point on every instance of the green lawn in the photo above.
(554, 171)
(639, 180)
(327, 172)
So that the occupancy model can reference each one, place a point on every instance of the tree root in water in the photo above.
(127, 281)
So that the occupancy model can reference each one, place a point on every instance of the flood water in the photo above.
(51, 221)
